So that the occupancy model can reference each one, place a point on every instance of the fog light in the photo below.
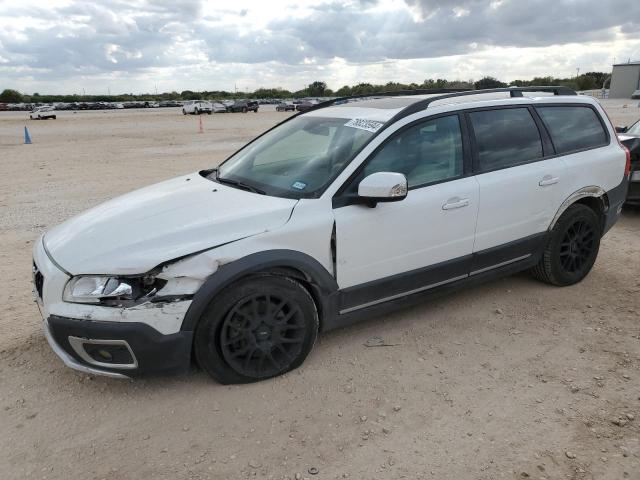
(114, 354)
(105, 355)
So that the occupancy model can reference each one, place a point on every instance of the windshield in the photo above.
(297, 159)
(634, 129)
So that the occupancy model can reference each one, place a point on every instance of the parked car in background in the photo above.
(285, 107)
(170, 103)
(218, 107)
(244, 106)
(339, 214)
(43, 113)
(306, 105)
(196, 107)
(16, 107)
(636, 95)
(630, 138)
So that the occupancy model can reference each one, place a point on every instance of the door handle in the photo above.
(455, 202)
(548, 180)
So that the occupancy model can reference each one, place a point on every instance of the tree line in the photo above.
(586, 81)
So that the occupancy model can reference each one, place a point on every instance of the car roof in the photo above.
(384, 108)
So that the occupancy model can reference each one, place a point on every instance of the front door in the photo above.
(423, 241)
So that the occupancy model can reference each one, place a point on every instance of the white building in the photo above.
(625, 79)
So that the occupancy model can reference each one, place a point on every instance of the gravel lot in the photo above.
(513, 379)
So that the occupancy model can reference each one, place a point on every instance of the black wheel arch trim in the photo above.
(323, 285)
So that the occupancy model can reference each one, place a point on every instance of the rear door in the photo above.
(579, 135)
(520, 187)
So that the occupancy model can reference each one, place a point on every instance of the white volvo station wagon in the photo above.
(354, 208)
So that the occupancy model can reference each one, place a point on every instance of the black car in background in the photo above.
(285, 107)
(306, 105)
(244, 106)
(630, 138)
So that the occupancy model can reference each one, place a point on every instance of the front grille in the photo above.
(38, 281)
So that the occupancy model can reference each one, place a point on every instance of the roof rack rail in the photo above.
(394, 93)
(443, 93)
(513, 91)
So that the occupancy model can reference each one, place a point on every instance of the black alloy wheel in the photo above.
(262, 334)
(572, 247)
(257, 328)
(576, 247)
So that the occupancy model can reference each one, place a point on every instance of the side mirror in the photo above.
(621, 129)
(383, 187)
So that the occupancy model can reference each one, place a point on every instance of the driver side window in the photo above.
(425, 153)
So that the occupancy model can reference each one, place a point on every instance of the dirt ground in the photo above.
(513, 379)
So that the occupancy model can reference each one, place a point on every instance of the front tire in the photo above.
(572, 247)
(257, 328)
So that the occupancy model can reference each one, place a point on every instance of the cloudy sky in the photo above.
(123, 46)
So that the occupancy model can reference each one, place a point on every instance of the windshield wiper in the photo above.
(238, 184)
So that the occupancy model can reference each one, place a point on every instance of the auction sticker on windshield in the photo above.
(362, 124)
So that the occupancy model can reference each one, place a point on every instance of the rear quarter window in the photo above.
(573, 127)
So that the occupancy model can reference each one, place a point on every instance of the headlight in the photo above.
(110, 291)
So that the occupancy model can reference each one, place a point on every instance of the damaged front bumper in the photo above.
(123, 349)
(71, 362)
(113, 341)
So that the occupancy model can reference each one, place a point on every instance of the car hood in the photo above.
(138, 231)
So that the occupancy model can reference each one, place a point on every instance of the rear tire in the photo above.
(572, 247)
(259, 327)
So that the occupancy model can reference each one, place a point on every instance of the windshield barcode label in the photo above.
(362, 124)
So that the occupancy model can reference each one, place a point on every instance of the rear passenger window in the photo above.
(505, 137)
(573, 128)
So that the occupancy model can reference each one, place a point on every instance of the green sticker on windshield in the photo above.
(299, 185)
